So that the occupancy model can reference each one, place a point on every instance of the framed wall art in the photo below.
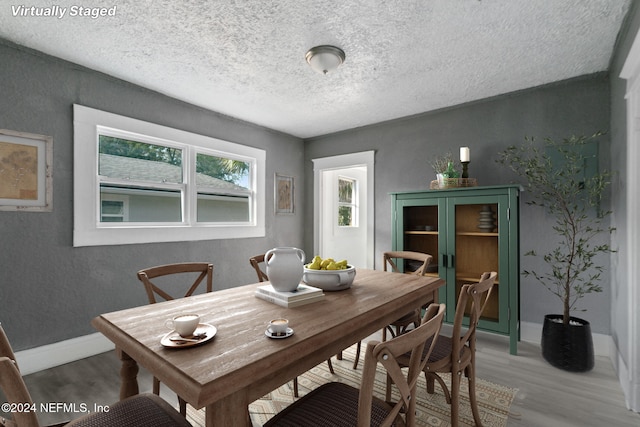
(284, 194)
(25, 172)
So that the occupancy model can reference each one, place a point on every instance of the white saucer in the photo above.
(203, 328)
(271, 334)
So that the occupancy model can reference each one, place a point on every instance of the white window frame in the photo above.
(90, 231)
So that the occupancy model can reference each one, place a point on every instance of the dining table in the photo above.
(241, 363)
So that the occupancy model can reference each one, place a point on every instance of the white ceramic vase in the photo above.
(285, 267)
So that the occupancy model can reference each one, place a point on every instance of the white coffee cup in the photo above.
(279, 326)
(184, 324)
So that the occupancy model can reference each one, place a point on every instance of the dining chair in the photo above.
(170, 274)
(183, 272)
(338, 404)
(413, 317)
(142, 410)
(390, 259)
(457, 354)
(256, 262)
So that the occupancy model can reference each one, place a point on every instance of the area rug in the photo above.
(494, 400)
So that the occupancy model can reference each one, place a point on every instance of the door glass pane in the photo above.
(347, 216)
(477, 250)
(345, 190)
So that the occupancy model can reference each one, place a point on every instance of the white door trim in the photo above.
(365, 158)
(630, 380)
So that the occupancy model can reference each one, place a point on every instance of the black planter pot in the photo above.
(567, 347)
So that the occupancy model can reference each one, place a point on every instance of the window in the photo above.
(347, 209)
(114, 208)
(138, 182)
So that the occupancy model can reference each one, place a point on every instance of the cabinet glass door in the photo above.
(476, 246)
(421, 226)
(418, 231)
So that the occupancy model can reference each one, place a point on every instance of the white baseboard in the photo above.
(59, 353)
(602, 344)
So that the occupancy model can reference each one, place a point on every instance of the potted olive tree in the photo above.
(558, 180)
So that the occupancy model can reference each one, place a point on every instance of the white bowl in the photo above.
(330, 280)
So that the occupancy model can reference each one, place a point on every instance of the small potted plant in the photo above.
(554, 176)
(444, 169)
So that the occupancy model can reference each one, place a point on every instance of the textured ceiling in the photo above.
(246, 59)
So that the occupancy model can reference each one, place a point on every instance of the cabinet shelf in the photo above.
(432, 233)
(476, 234)
(459, 233)
(467, 277)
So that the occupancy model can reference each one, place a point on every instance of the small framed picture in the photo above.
(284, 194)
(25, 172)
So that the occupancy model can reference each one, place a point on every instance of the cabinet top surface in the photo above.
(449, 191)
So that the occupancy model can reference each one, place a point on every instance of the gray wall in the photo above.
(620, 262)
(404, 147)
(50, 291)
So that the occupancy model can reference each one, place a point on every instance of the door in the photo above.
(343, 210)
(344, 222)
(477, 242)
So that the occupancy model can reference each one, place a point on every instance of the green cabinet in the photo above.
(468, 231)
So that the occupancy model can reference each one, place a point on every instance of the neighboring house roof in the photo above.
(151, 171)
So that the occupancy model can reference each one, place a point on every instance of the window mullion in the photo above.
(191, 191)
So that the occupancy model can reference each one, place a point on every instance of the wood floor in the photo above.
(546, 396)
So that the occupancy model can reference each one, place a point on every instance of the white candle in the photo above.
(464, 154)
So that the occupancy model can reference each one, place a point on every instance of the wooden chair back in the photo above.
(390, 257)
(255, 262)
(386, 353)
(204, 269)
(472, 300)
(13, 386)
(184, 271)
(456, 355)
(5, 346)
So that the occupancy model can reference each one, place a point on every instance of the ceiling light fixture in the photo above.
(325, 59)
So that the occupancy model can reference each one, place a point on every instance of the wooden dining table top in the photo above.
(241, 364)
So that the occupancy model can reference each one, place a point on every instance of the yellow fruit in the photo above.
(317, 263)
(314, 266)
(326, 262)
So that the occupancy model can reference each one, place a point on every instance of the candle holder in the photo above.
(465, 169)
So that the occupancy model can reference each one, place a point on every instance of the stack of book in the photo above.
(305, 294)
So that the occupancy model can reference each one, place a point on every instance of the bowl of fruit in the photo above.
(328, 274)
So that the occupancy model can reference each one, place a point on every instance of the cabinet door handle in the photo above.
(444, 260)
(453, 261)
